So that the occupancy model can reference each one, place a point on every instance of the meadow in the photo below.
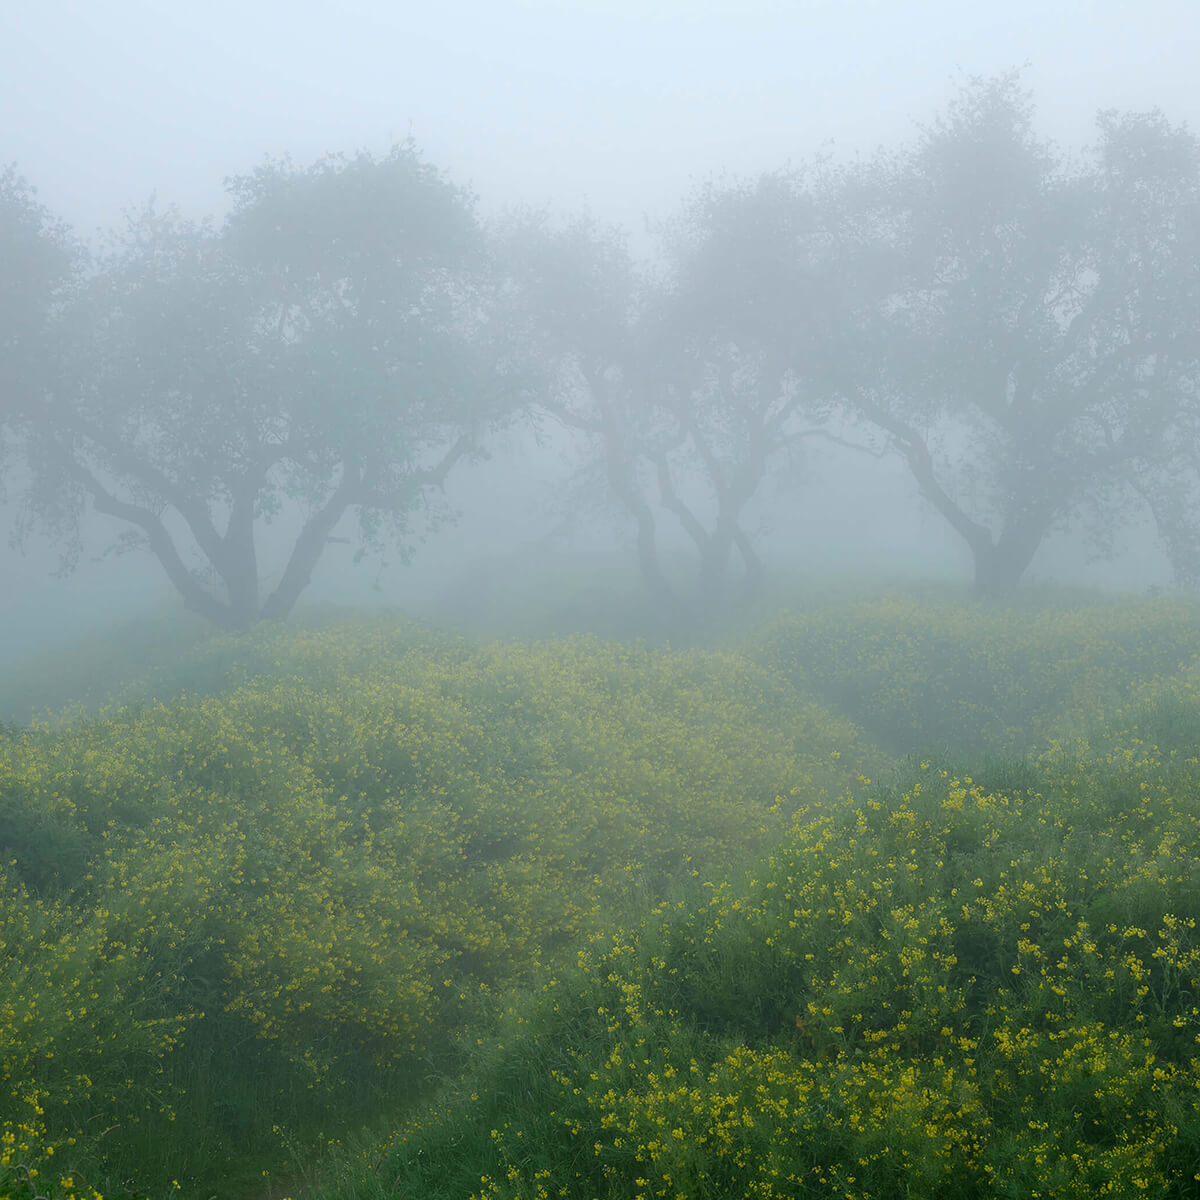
(894, 897)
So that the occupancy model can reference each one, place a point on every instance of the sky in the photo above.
(618, 107)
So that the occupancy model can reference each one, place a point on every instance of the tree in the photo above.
(575, 296)
(1040, 320)
(325, 348)
(690, 378)
(1172, 494)
(1168, 241)
(744, 339)
(38, 259)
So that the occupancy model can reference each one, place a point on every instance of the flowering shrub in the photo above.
(284, 896)
(931, 989)
(332, 864)
(29, 1169)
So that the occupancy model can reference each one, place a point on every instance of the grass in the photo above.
(878, 898)
(929, 989)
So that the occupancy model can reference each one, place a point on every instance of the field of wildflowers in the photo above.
(581, 919)
(936, 988)
(232, 911)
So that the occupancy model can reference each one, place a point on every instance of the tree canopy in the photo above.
(1040, 320)
(1019, 325)
(325, 348)
(38, 260)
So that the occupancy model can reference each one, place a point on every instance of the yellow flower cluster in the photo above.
(314, 874)
(331, 864)
(27, 1161)
(937, 989)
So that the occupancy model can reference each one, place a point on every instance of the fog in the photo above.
(618, 110)
(612, 105)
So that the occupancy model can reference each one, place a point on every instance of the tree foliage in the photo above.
(1040, 320)
(1020, 326)
(324, 350)
(746, 345)
(692, 378)
(37, 261)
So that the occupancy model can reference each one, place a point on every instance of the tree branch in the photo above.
(672, 502)
(435, 476)
(238, 564)
(162, 546)
(194, 512)
(310, 543)
(920, 463)
(617, 468)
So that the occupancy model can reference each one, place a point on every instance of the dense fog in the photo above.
(599, 599)
(560, 204)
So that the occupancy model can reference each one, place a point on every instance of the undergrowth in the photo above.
(887, 898)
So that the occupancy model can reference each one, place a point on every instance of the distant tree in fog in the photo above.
(1170, 486)
(38, 262)
(326, 348)
(693, 378)
(1020, 327)
(575, 299)
(745, 337)
(1041, 320)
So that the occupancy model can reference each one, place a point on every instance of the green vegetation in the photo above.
(284, 899)
(921, 670)
(882, 899)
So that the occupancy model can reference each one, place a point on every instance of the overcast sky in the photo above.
(617, 105)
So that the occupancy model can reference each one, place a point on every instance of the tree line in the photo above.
(1019, 325)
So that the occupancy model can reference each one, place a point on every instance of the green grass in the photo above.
(275, 899)
(931, 989)
(874, 897)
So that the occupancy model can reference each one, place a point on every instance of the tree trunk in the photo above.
(756, 571)
(1000, 565)
(242, 591)
(653, 578)
(714, 568)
